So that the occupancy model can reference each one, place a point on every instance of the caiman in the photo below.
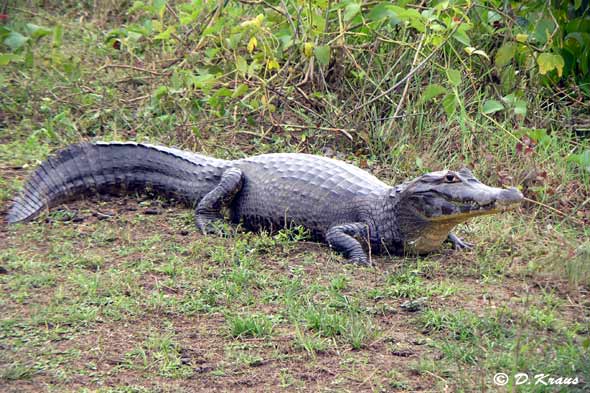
(340, 204)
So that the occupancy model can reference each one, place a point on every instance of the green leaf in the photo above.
(454, 76)
(211, 53)
(318, 24)
(520, 107)
(165, 35)
(134, 36)
(253, 68)
(286, 38)
(505, 54)
(383, 10)
(272, 64)
(510, 99)
(252, 43)
(223, 92)
(308, 49)
(351, 10)
(492, 106)
(204, 81)
(241, 65)
(4, 32)
(6, 58)
(240, 90)
(411, 16)
(322, 53)
(449, 104)
(37, 31)
(472, 51)
(582, 159)
(159, 6)
(160, 92)
(543, 29)
(431, 91)
(29, 59)
(58, 32)
(548, 62)
(508, 79)
(137, 5)
(461, 35)
(536, 134)
(15, 40)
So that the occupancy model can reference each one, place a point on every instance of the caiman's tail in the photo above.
(102, 167)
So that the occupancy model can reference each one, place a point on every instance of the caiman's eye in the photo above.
(451, 178)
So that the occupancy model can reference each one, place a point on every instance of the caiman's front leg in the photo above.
(342, 239)
(209, 208)
(458, 243)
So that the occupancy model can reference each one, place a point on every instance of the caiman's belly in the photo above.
(429, 239)
(280, 205)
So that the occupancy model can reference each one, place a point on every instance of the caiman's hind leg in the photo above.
(209, 208)
(342, 239)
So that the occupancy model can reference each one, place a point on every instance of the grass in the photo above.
(249, 326)
(135, 301)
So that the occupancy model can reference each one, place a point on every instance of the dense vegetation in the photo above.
(105, 295)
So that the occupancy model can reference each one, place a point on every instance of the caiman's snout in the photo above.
(509, 198)
(482, 200)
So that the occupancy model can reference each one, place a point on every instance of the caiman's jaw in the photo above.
(435, 202)
(452, 210)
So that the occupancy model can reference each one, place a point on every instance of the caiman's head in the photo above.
(432, 204)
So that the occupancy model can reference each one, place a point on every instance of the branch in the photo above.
(401, 101)
(129, 67)
(412, 71)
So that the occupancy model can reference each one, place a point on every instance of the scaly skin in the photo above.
(337, 202)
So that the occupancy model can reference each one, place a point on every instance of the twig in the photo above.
(216, 12)
(405, 92)
(129, 67)
(554, 210)
(98, 213)
(129, 101)
(500, 126)
(308, 73)
(171, 10)
(436, 376)
(405, 78)
(342, 130)
(368, 378)
(550, 38)
(307, 108)
(358, 67)
(264, 136)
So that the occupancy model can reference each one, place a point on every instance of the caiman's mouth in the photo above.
(463, 210)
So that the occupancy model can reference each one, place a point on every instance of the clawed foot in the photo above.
(360, 260)
(209, 223)
(458, 243)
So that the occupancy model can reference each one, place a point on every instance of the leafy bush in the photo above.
(387, 79)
